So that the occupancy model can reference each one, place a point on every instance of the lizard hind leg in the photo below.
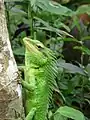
(31, 114)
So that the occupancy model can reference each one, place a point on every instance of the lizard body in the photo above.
(40, 73)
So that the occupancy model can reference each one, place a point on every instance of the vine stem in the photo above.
(30, 17)
(8, 19)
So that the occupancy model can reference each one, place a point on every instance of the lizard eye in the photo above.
(39, 46)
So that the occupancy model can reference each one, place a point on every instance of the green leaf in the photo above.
(19, 51)
(13, 0)
(72, 68)
(33, 2)
(88, 69)
(50, 28)
(70, 113)
(54, 7)
(83, 9)
(84, 49)
(60, 24)
(70, 39)
(18, 11)
(85, 38)
(59, 117)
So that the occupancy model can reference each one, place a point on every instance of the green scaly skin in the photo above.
(40, 73)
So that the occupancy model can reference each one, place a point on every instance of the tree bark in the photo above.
(11, 107)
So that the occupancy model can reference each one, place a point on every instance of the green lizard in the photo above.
(40, 73)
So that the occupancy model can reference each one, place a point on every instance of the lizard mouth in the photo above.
(29, 45)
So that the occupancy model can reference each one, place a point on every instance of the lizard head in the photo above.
(38, 53)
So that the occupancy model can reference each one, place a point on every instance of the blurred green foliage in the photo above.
(51, 23)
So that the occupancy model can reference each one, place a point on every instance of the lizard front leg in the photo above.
(27, 86)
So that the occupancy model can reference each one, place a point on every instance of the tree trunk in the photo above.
(11, 107)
